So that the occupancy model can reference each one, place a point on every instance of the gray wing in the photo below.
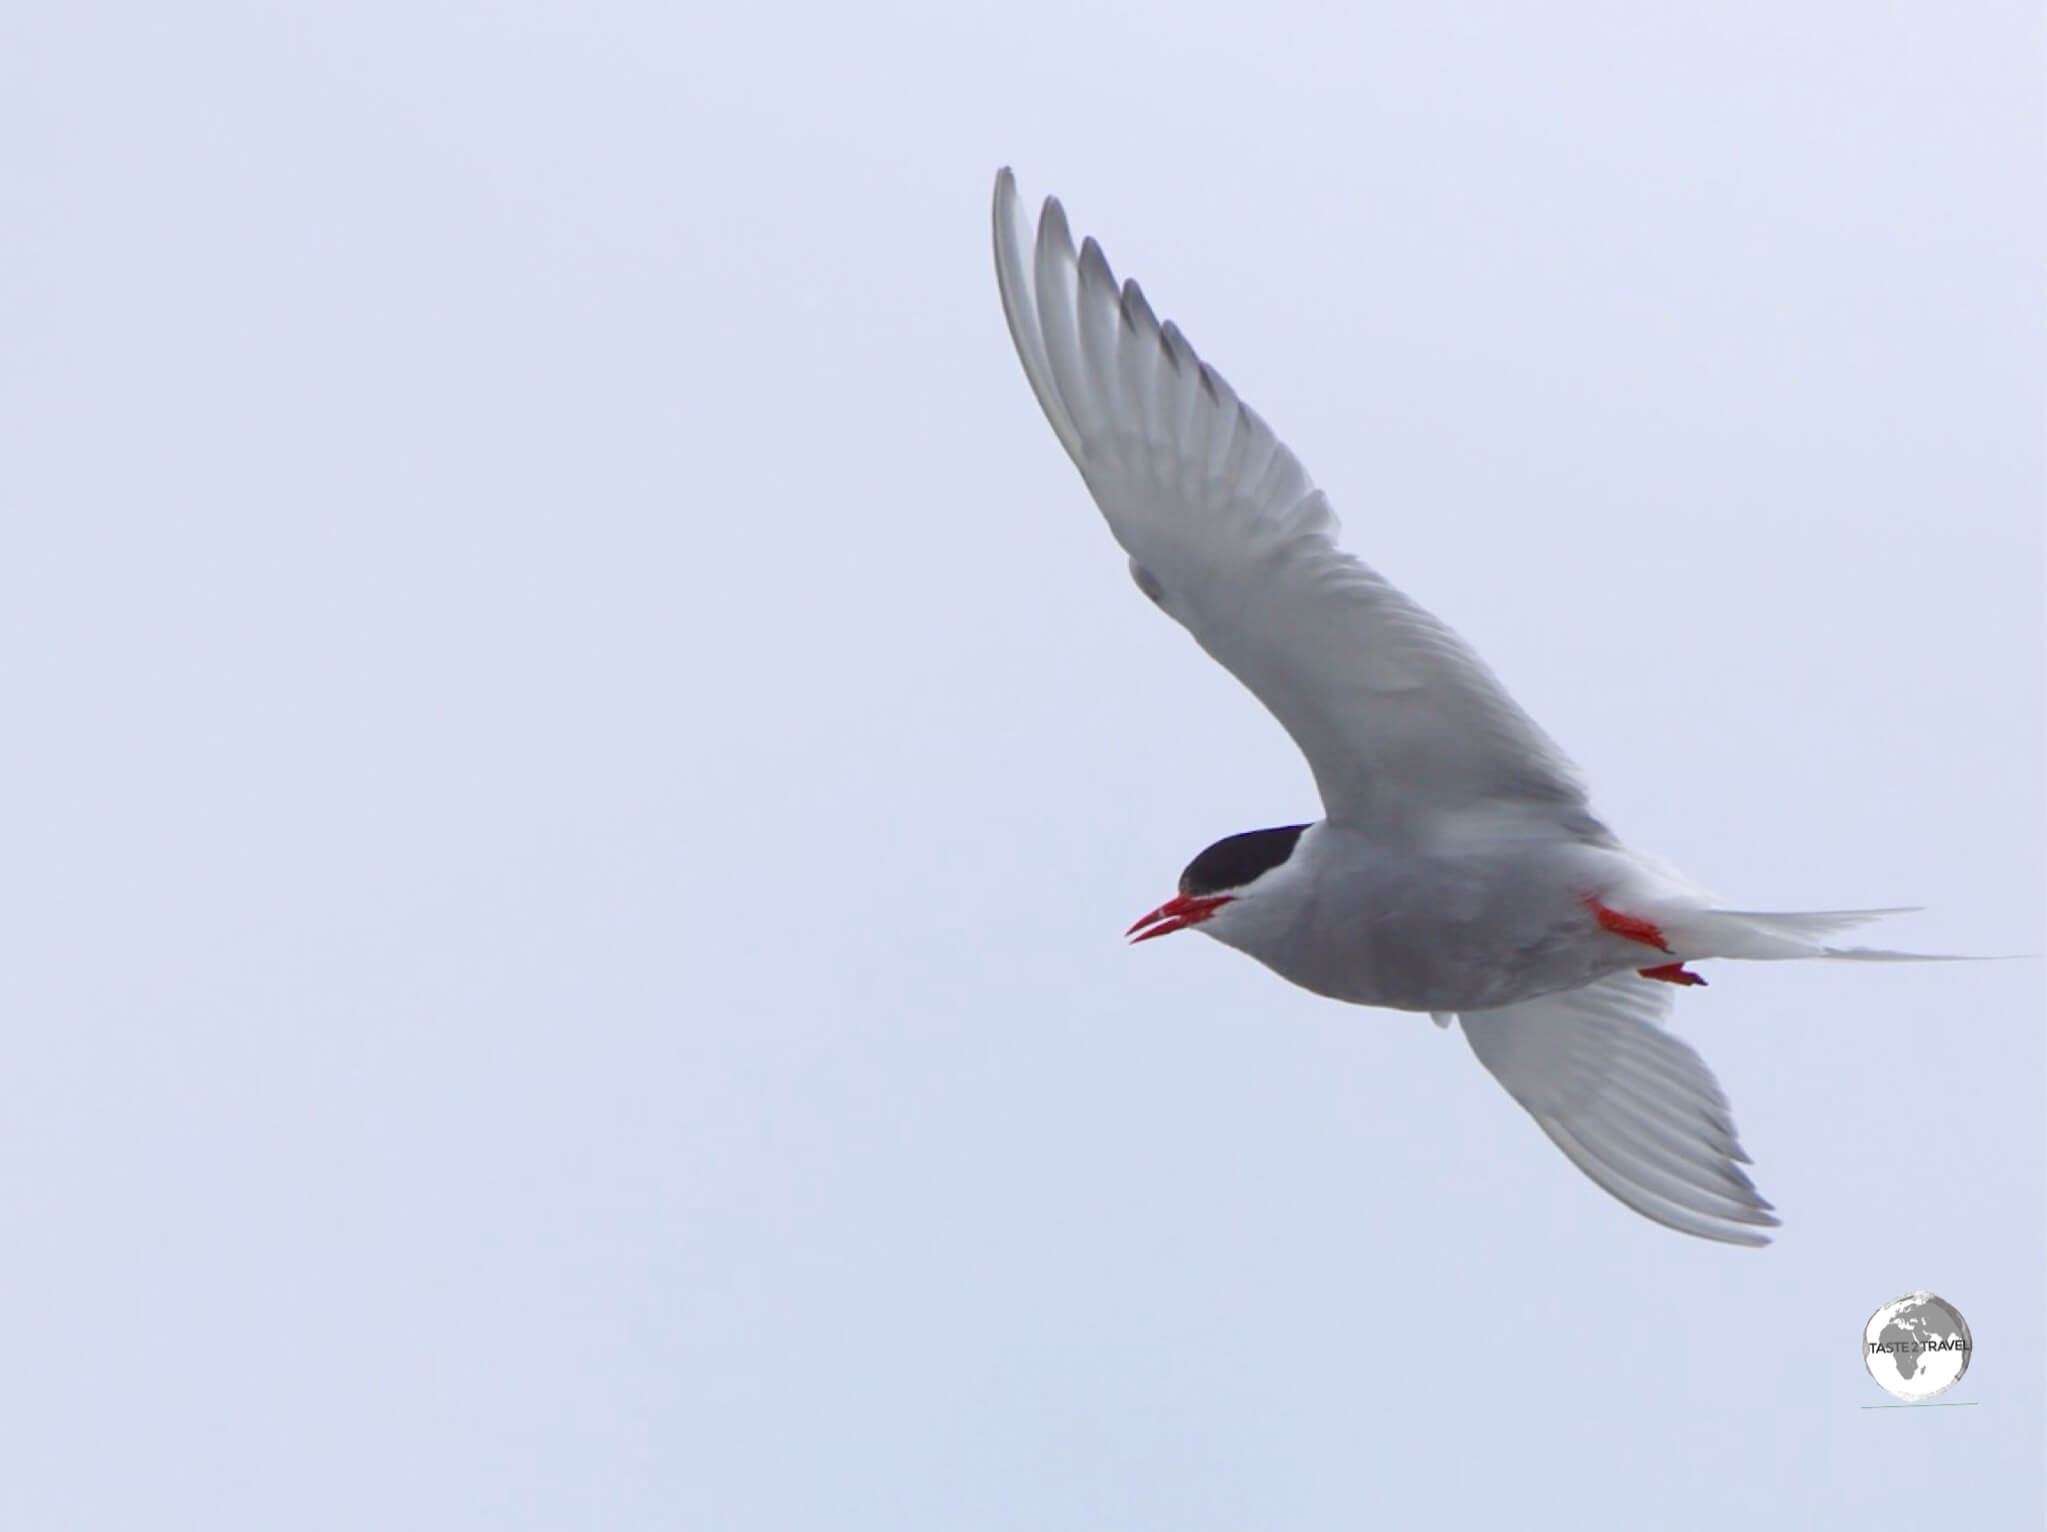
(1396, 716)
(1632, 1106)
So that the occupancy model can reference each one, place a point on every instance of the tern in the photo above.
(1458, 869)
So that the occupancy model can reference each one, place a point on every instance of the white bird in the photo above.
(1459, 869)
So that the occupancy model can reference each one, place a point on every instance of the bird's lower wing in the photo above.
(1632, 1106)
(1396, 715)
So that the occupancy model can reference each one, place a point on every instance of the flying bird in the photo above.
(1458, 869)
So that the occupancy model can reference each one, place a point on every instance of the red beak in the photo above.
(1177, 914)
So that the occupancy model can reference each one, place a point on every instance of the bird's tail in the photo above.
(1790, 934)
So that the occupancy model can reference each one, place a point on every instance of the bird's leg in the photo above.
(1649, 934)
(1643, 931)
(1671, 973)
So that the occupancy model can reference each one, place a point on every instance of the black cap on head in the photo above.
(1236, 860)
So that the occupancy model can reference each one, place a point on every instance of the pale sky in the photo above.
(580, 756)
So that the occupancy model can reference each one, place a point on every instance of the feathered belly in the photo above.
(1451, 954)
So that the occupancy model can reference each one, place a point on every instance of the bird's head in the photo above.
(1231, 872)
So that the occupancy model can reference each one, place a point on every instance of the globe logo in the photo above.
(1916, 1346)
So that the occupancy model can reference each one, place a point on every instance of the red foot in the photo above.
(1671, 973)
(1634, 930)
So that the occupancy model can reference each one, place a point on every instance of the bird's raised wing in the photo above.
(1632, 1106)
(1396, 716)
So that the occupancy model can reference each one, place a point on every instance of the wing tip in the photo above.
(1052, 226)
(1094, 265)
(1007, 209)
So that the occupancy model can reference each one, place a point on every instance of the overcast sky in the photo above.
(579, 756)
